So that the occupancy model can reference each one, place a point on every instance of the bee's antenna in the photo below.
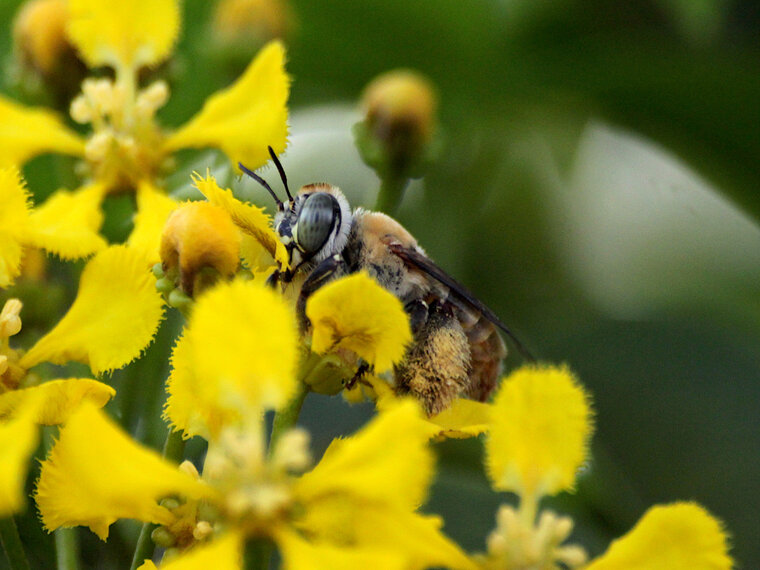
(263, 182)
(281, 171)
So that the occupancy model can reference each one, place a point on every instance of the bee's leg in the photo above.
(436, 367)
(318, 277)
(364, 367)
(273, 279)
(417, 309)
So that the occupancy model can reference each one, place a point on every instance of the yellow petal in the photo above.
(681, 536)
(416, 538)
(357, 314)
(463, 419)
(542, 423)
(238, 355)
(26, 132)
(257, 258)
(114, 316)
(367, 468)
(18, 440)
(67, 223)
(185, 410)
(251, 219)
(58, 398)
(129, 34)
(245, 118)
(14, 223)
(153, 208)
(95, 474)
(300, 554)
(224, 553)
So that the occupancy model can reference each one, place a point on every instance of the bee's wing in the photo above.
(417, 260)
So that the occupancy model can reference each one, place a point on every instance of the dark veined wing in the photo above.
(415, 259)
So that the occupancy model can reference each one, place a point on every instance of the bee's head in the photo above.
(312, 225)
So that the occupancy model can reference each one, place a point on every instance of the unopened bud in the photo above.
(39, 33)
(249, 24)
(400, 115)
(199, 236)
(43, 50)
(162, 536)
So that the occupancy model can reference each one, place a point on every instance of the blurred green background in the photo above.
(599, 188)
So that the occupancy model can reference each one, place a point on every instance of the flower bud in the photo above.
(199, 243)
(43, 50)
(400, 116)
(163, 537)
(249, 24)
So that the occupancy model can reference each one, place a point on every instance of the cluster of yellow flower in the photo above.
(241, 355)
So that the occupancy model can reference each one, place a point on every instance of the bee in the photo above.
(456, 348)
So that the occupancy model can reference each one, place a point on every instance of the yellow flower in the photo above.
(356, 504)
(357, 314)
(65, 224)
(127, 149)
(538, 438)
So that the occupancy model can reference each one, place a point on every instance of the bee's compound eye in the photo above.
(315, 221)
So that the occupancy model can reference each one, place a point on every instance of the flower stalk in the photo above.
(286, 418)
(67, 548)
(257, 553)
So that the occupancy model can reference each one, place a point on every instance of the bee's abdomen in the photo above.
(487, 353)
(436, 367)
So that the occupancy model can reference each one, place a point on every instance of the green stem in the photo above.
(67, 548)
(257, 554)
(174, 446)
(11, 541)
(174, 449)
(390, 194)
(288, 416)
(144, 548)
